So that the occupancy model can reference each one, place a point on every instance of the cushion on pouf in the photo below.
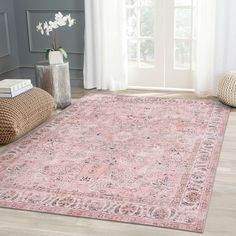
(227, 89)
(21, 114)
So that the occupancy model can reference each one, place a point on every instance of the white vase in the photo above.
(55, 57)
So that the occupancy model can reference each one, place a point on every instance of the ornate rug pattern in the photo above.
(144, 160)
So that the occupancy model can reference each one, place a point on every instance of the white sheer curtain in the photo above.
(215, 43)
(105, 63)
(225, 56)
(205, 47)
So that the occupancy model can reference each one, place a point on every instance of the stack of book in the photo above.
(10, 88)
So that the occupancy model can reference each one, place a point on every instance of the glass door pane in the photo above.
(179, 39)
(145, 46)
(160, 43)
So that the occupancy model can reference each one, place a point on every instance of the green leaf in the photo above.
(63, 52)
(47, 52)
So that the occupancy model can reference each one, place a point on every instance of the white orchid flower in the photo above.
(45, 25)
(47, 28)
(62, 21)
(39, 27)
(53, 24)
(58, 16)
(71, 21)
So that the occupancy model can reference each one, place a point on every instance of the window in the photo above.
(183, 21)
(160, 42)
(140, 32)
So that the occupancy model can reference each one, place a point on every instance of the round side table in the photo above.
(55, 79)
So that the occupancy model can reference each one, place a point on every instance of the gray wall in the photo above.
(31, 44)
(8, 39)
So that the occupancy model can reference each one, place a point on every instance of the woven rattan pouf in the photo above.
(23, 113)
(227, 89)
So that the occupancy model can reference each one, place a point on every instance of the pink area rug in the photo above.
(141, 160)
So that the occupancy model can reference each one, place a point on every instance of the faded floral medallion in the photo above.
(144, 160)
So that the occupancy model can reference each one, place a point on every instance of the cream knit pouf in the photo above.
(227, 89)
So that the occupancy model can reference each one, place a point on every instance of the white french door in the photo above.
(160, 43)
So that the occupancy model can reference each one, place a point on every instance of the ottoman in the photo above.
(23, 113)
(227, 89)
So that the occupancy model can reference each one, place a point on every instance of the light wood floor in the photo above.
(221, 219)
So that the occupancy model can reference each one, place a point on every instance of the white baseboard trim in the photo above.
(161, 89)
(32, 67)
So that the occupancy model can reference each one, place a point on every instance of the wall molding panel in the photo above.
(5, 45)
(38, 42)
